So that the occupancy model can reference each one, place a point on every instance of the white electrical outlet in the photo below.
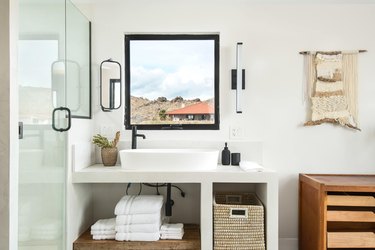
(236, 132)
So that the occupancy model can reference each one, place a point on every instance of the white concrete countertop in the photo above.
(100, 174)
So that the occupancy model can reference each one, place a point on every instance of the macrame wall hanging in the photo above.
(331, 83)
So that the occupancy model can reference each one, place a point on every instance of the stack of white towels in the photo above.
(138, 218)
(46, 229)
(104, 229)
(172, 231)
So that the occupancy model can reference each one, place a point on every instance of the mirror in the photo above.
(172, 81)
(110, 85)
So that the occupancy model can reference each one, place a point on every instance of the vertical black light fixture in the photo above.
(238, 78)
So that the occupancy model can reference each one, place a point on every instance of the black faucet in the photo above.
(134, 137)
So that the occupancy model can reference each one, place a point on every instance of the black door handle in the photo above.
(68, 116)
(20, 130)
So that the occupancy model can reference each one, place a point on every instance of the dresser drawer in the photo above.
(350, 240)
(351, 216)
(350, 200)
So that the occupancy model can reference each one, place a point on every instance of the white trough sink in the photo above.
(169, 159)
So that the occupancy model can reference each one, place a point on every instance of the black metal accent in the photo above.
(20, 130)
(127, 108)
(173, 127)
(169, 202)
(234, 79)
(68, 116)
(134, 137)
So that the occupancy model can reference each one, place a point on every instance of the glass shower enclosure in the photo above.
(54, 84)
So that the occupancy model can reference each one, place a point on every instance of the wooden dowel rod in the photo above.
(308, 52)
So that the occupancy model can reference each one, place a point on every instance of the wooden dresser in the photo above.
(336, 212)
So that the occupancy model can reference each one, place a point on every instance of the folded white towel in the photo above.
(23, 233)
(137, 236)
(47, 225)
(104, 224)
(104, 237)
(44, 235)
(103, 232)
(141, 204)
(138, 228)
(138, 219)
(172, 233)
(179, 233)
(251, 166)
(55, 231)
(177, 227)
(172, 236)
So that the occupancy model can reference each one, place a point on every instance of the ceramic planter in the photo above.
(109, 156)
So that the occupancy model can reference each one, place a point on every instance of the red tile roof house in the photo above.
(198, 112)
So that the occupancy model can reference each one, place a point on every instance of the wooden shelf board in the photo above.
(191, 240)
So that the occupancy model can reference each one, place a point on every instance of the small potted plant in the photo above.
(108, 148)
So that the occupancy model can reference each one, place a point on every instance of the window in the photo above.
(172, 81)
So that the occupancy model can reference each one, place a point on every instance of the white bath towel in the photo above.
(177, 236)
(23, 233)
(46, 224)
(36, 235)
(103, 232)
(138, 228)
(172, 228)
(137, 236)
(138, 219)
(104, 224)
(251, 166)
(142, 204)
(104, 237)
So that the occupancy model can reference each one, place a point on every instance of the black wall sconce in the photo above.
(238, 78)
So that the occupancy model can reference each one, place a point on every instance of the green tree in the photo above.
(163, 114)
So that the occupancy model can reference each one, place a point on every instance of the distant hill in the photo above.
(145, 111)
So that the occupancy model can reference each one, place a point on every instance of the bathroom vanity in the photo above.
(229, 178)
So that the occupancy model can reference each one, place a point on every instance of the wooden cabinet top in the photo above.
(340, 183)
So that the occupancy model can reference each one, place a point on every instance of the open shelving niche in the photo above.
(200, 184)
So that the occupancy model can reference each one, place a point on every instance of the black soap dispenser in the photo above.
(225, 155)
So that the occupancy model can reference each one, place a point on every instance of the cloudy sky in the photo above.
(172, 68)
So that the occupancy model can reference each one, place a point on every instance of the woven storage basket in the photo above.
(238, 221)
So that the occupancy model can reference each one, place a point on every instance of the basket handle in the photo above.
(239, 213)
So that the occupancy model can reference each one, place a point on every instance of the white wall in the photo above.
(272, 34)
